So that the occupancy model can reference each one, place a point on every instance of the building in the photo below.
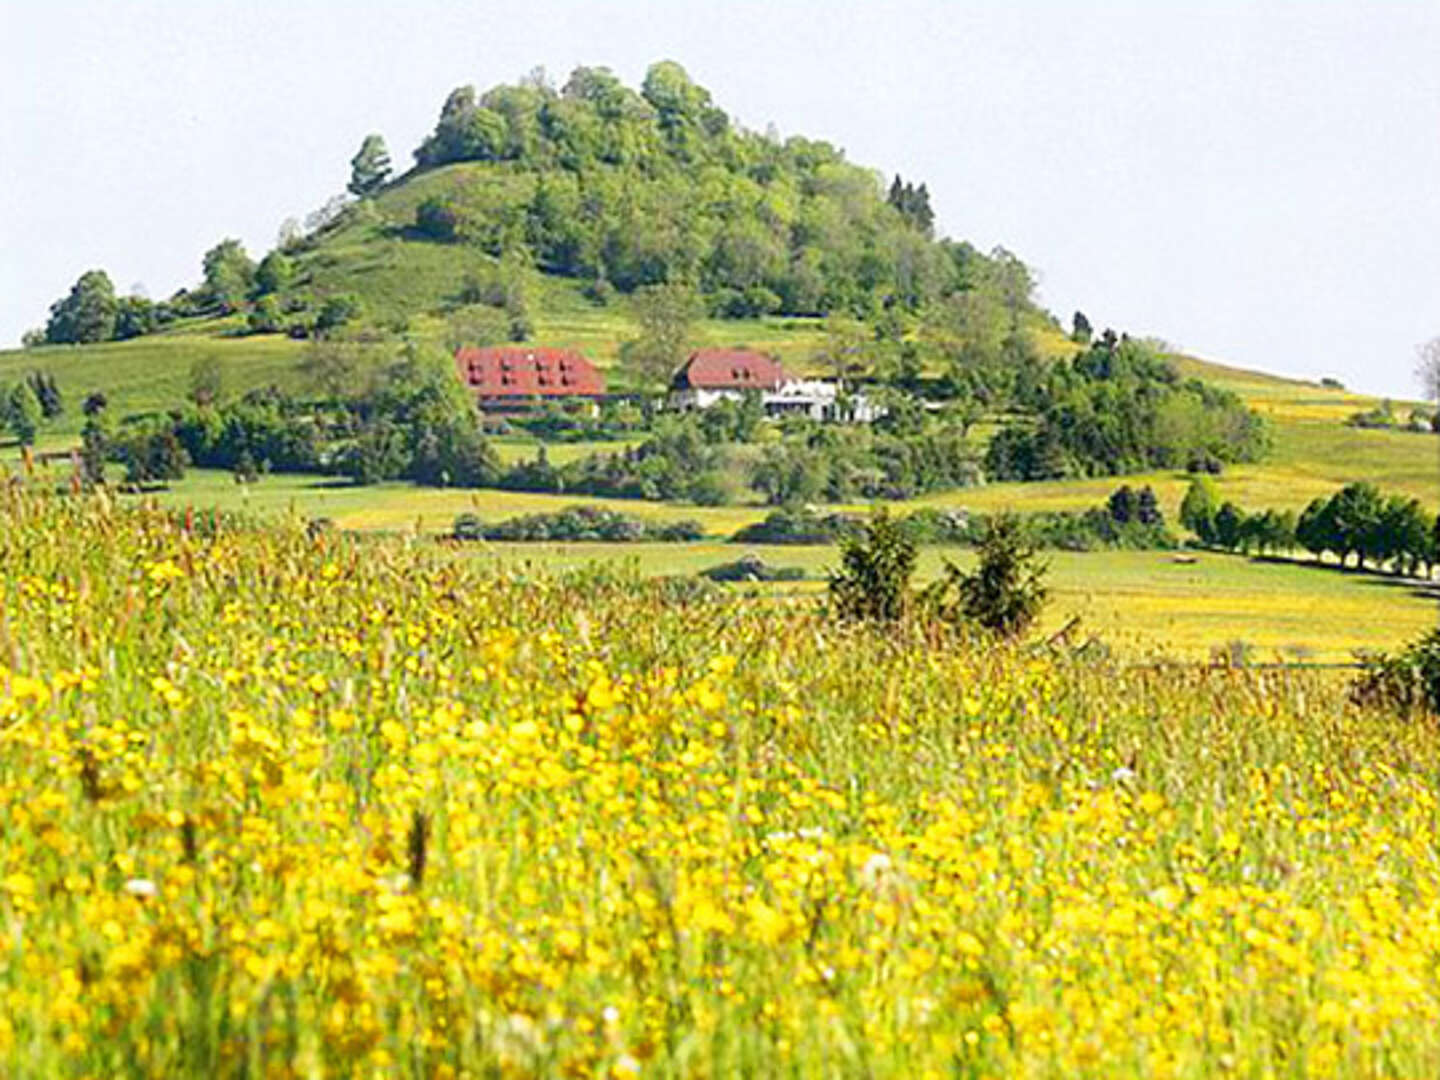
(516, 378)
(714, 375)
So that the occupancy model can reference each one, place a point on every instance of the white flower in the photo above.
(1124, 774)
(878, 870)
(144, 888)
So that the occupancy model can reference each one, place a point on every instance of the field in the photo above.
(1279, 610)
(1138, 601)
(281, 805)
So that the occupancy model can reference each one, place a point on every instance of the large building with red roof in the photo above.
(513, 378)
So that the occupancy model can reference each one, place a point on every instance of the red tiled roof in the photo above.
(506, 371)
(729, 369)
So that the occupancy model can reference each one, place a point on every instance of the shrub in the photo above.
(873, 582)
(467, 527)
(589, 523)
(799, 526)
(1005, 592)
(1408, 682)
(750, 567)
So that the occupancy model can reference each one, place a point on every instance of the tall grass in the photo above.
(293, 805)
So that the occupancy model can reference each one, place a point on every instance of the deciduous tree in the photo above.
(87, 315)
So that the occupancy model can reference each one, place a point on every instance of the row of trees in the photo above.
(1359, 521)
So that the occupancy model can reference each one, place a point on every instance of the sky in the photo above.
(1257, 183)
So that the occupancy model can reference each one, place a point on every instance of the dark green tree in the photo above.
(1124, 505)
(135, 316)
(370, 166)
(23, 414)
(873, 582)
(1356, 512)
(47, 393)
(1005, 592)
(1229, 521)
(95, 442)
(1315, 530)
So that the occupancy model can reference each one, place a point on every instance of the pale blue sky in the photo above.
(1257, 182)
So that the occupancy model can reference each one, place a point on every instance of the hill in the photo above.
(597, 195)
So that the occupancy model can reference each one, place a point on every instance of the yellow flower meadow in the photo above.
(274, 804)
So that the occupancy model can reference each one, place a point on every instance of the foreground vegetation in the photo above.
(297, 803)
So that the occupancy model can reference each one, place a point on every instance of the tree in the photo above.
(87, 315)
(229, 274)
(1199, 507)
(369, 167)
(136, 316)
(274, 273)
(95, 440)
(1356, 513)
(22, 413)
(1315, 531)
(1124, 505)
(1403, 536)
(873, 582)
(154, 456)
(1147, 509)
(378, 454)
(913, 203)
(1005, 592)
(47, 393)
(1080, 329)
(666, 315)
(1229, 523)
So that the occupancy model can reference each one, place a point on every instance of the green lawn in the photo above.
(149, 374)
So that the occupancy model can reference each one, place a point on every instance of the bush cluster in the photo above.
(577, 523)
(750, 567)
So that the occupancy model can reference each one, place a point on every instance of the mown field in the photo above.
(281, 805)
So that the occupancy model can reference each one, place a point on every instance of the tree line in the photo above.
(1359, 521)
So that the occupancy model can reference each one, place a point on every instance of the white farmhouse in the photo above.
(713, 375)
